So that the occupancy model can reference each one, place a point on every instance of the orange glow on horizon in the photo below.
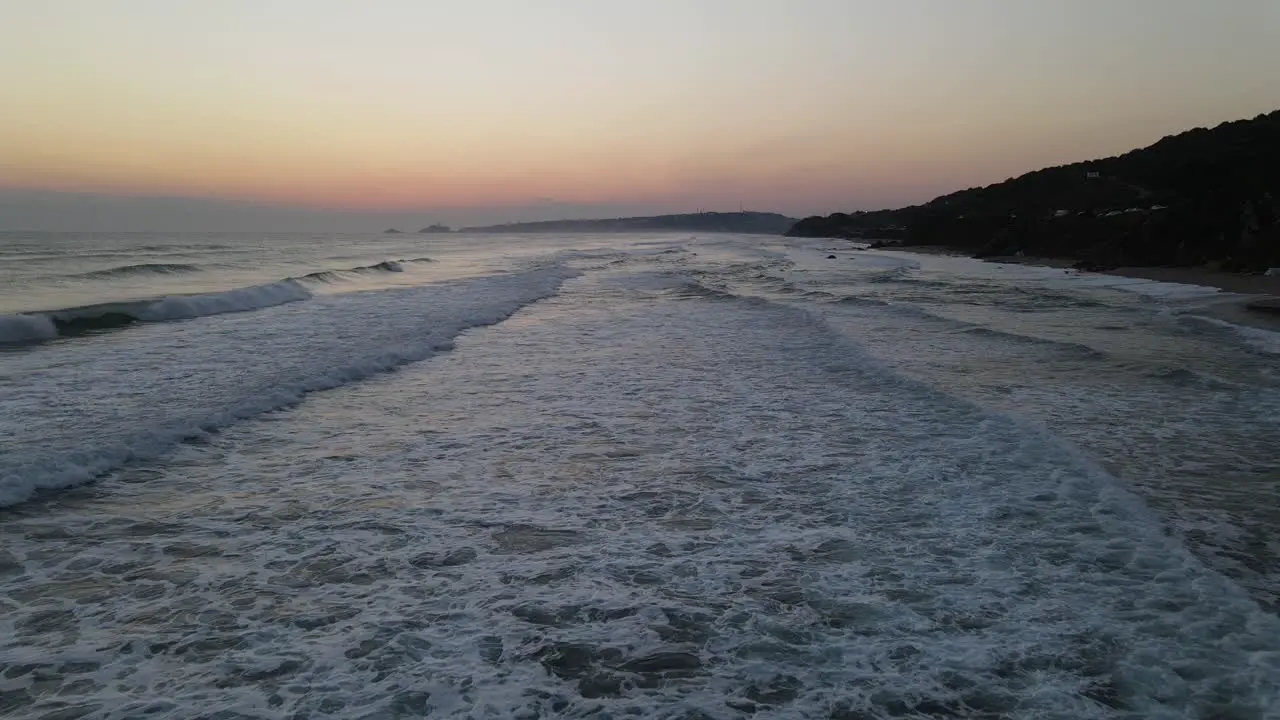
(392, 104)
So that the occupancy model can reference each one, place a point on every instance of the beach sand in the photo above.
(1229, 282)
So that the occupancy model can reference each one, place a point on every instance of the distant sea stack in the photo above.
(391, 231)
(1206, 197)
(435, 229)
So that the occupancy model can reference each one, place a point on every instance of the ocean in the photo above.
(609, 476)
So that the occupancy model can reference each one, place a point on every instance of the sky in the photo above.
(275, 114)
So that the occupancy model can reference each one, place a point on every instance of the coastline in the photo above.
(1241, 290)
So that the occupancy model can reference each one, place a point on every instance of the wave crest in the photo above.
(37, 327)
(25, 328)
(15, 329)
(142, 269)
(386, 266)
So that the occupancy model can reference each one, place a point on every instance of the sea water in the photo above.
(249, 476)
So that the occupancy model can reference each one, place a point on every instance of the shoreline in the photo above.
(1241, 290)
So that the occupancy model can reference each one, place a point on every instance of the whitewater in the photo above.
(672, 476)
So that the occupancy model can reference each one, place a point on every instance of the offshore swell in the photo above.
(659, 476)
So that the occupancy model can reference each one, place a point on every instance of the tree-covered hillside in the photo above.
(1202, 196)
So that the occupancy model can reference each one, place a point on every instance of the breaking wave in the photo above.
(67, 322)
(1265, 342)
(16, 329)
(247, 368)
(25, 328)
(386, 266)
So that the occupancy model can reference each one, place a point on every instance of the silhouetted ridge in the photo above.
(1202, 196)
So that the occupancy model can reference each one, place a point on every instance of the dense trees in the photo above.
(1203, 196)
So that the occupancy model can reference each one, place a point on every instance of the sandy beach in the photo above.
(1228, 282)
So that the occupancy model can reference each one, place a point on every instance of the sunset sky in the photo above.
(481, 110)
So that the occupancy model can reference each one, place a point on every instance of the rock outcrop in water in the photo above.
(1206, 196)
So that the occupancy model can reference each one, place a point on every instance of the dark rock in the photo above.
(831, 257)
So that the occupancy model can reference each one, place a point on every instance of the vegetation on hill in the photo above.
(1206, 196)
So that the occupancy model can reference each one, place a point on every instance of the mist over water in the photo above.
(612, 476)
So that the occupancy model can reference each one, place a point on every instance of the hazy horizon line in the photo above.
(118, 211)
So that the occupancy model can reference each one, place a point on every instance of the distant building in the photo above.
(1092, 175)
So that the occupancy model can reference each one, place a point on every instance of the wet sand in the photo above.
(1229, 282)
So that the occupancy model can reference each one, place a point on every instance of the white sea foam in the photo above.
(1055, 277)
(1267, 341)
(1140, 286)
(632, 503)
(185, 307)
(15, 329)
(35, 327)
(139, 398)
(668, 491)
